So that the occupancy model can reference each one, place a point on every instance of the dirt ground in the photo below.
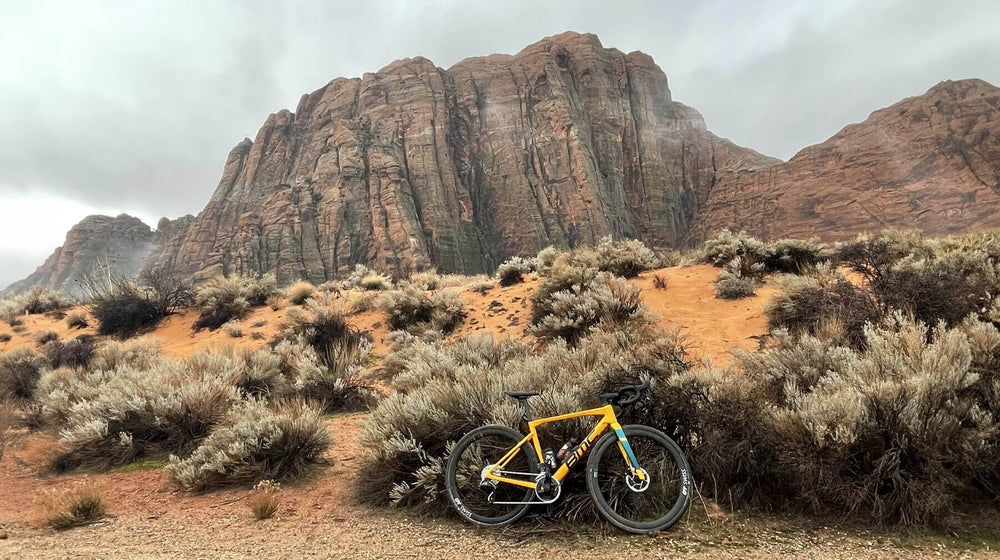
(318, 517)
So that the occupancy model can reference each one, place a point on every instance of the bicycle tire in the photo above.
(462, 493)
(667, 467)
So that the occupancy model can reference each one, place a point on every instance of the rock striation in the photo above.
(414, 166)
(930, 162)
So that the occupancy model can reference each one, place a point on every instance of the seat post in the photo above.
(527, 410)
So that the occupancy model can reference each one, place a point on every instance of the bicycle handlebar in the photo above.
(625, 396)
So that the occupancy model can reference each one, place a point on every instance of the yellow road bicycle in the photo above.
(637, 476)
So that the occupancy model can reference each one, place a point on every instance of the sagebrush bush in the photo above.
(797, 256)
(42, 300)
(139, 354)
(363, 304)
(46, 337)
(428, 280)
(125, 309)
(903, 432)
(625, 258)
(257, 442)
(299, 292)
(223, 299)
(726, 246)
(77, 320)
(74, 353)
(326, 356)
(734, 286)
(232, 329)
(410, 308)
(806, 304)
(364, 278)
(8, 418)
(20, 370)
(410, 432)
(79, 504)
(108, 418)
(572, 301)
(512, 271)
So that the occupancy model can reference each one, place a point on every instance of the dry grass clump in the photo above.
(257, 442)
(44, 337)
(223, 299)
(482, 288)
(363, 304)
(79, 504)
(364, 278)
(410, 432)
(410, 308)
(513, 270)
(299, 292)
(263, 499)
(77, 320)
(574, 300)
(20, 370)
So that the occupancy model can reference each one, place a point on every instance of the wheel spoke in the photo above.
(474, 494)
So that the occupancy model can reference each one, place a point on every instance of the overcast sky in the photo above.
(110, 107)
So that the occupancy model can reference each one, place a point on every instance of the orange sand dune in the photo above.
(712, 327)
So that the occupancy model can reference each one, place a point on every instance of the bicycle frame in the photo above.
(608, 419)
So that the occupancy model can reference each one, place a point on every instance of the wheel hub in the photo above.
(635, 483)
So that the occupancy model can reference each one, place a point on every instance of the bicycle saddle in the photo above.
(520, 395)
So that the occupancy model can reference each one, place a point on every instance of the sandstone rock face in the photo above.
(414, 166)
(930, 162)
(96, 244)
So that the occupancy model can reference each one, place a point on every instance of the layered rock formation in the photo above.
(413, 166)
(560, 144)
(930, 162)
(96, 245)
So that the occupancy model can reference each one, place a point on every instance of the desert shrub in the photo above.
(512, 271)
(414, 361)
(45, 337)
(363, 304)
(79, 504)
(734, 286)
(797, 256)
(410, 308)
(41, 300)
(326, 357)
(410, 433)
(10, 310)
(807, 304)
(111, 418)
(223, 299)
(625, 258)
(74, 353)
(546, 258)
(5, 337)
(946, 287)
(125, 309)
(77, 320)
(8, 418)
(20, 370)
(263, 499)
(669, 258)
(232, 329)
(299, 292)
(258, 442)
(572, 301)
(375, 282)
(139, 354)
(263, 373)
(726, 246)
(428, 280)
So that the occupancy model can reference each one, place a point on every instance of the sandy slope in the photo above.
(317, 517)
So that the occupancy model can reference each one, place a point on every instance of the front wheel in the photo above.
(626, 501)
(481, 501)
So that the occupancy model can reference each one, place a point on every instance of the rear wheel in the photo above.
(470, 494)
(626, 501)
